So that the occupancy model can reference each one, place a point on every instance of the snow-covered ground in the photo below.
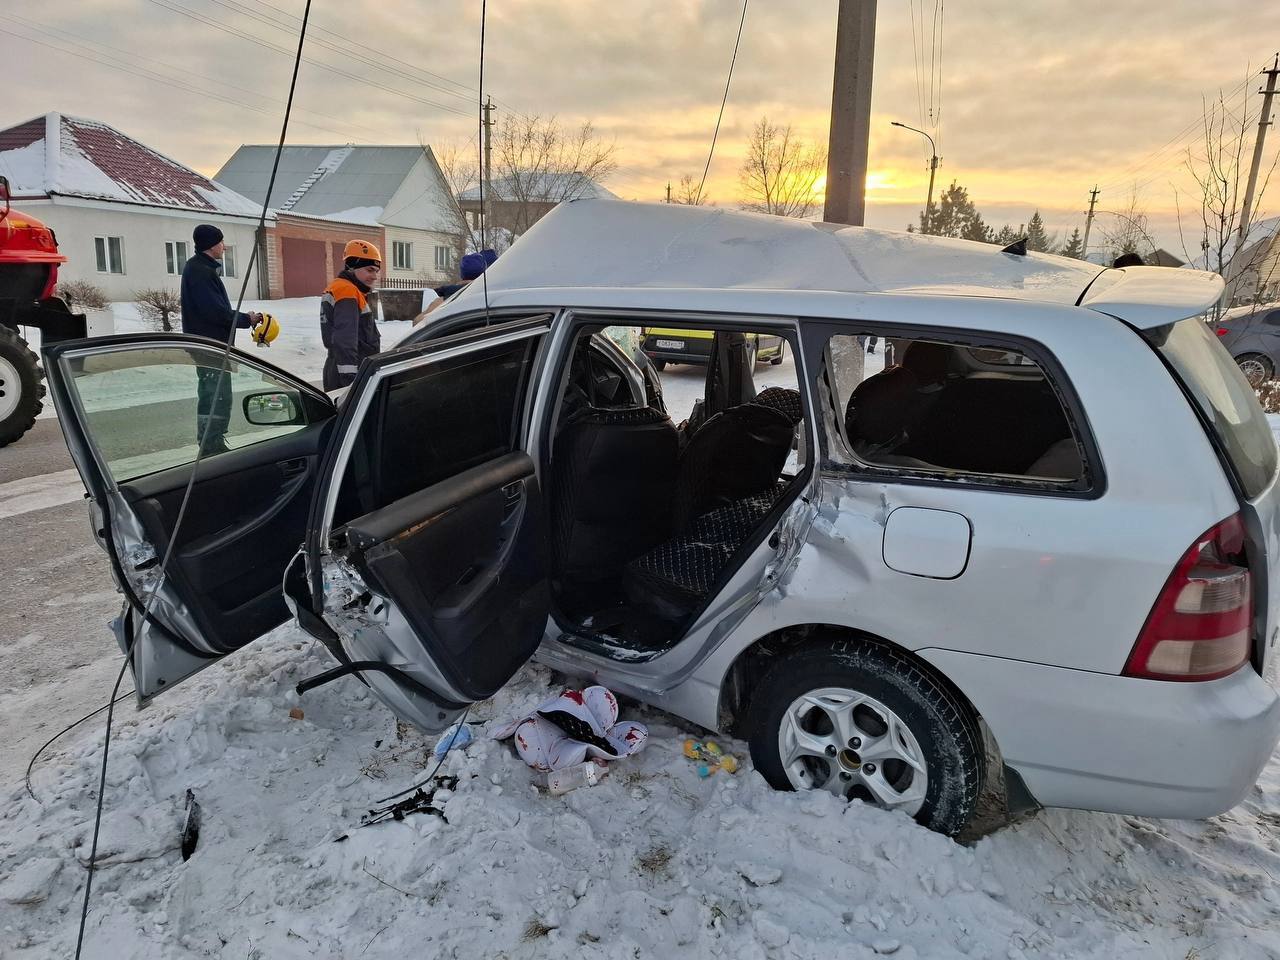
(653, 862)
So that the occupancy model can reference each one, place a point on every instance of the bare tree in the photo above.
(1128, 230)
(781, 171)
(159, 307)
(687, 193)
(538, 163)
(461, 170)
(83, 293)
(1218, 165)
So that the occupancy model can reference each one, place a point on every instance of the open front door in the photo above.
(427, 545)
(131, 408)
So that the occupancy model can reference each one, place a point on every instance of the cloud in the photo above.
(1037, 101)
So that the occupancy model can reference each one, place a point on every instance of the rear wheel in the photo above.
(1256, 367)
(782, 352)
(865, 722)
(659, 365)
(20, 386)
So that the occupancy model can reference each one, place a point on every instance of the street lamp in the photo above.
(933, 166)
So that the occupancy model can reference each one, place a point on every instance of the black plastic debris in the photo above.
(420, 801)
(191, 827)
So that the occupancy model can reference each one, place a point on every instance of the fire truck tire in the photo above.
(21, 389)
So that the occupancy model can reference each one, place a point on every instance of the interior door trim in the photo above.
(333, 476)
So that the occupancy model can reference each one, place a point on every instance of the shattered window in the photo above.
(922, 405)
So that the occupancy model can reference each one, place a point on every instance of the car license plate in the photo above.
(671, 344)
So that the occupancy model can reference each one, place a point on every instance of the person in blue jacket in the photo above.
(207, 312)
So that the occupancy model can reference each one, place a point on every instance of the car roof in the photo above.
(595, 245)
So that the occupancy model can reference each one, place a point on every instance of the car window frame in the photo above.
(815, 336)
(317, 401)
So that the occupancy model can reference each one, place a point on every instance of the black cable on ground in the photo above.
(48, 743)
(452, 740)
(195, 466)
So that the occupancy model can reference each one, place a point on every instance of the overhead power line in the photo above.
(268, 45)
(725, 99)
(181, 78)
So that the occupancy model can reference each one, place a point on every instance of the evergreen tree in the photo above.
(1006, 235)
(955, 216)
(1037, 239)
(1074, 247)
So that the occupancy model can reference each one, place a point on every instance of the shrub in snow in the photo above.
(159, 307)
(83, 295)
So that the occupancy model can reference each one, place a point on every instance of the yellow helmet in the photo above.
(361, 249)
(265, 330)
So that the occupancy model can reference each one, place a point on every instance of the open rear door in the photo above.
(427, 544)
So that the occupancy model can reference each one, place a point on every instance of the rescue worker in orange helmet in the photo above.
(347, 325)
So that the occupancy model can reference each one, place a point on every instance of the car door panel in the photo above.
(247, 509)
(436, 590)
(470, 561)
(240, 529)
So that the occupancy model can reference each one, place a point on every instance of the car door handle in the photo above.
(293, 468)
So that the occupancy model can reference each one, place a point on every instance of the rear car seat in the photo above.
(728, 481)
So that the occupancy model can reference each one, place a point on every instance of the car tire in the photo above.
(912, 724)
(777, 361)
(659, 365)
(1256, 367)
(20, 387)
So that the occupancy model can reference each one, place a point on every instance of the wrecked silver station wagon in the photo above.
(1054, 518)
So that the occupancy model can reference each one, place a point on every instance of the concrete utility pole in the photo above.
(846, 199)
(487, 174)
(668, 191)
(933, 166)
(1264, 121)
(1088, 222)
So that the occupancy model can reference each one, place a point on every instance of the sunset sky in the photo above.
(1032, 104)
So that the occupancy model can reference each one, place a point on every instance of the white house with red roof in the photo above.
(122, 212)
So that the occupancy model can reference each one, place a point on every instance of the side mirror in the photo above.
(272, 409)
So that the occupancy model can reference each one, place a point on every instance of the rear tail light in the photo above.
(1221, 331)
(1199, 628)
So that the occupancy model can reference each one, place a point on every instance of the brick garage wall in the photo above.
(333, 235)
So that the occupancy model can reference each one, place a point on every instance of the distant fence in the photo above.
(408, 283)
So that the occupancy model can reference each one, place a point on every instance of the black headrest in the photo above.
(783, 399)
(881, 407)
(930, 362)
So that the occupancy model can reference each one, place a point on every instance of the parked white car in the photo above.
(1055, 518)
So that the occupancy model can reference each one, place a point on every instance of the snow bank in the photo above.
(653, 862)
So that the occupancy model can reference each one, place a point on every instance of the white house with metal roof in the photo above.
(122, 212)
(400, 189)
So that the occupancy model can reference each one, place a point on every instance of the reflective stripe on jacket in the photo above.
(347, 327)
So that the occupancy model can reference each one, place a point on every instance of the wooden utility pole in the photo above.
(850, 113)
(1264, 121)
(668, 191)
(1088, 222)
(488, 170)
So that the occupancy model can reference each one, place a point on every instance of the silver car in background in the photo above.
(1048, 538)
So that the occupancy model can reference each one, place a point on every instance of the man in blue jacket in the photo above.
(207, 312)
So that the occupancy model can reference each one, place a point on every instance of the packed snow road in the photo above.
(653, 862)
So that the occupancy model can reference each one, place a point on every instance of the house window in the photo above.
(444, 258)
(401, 255)
(175, 257)
(110, 253)
(229, 261)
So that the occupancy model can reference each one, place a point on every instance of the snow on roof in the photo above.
(541, 187)
(339, 182)
(618, 243)
(97, 161)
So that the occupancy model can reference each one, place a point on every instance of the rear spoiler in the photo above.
(1146, 297)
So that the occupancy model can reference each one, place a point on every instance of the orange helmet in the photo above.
(361, 249)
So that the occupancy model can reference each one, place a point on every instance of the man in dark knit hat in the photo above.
(207, 312)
